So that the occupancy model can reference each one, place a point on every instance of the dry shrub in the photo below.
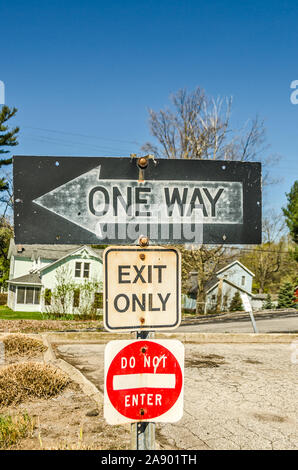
(20, 345)
(19, 382)
(14, 428)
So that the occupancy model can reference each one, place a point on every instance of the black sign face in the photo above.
(101, 200)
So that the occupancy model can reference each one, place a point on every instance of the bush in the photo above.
(268, 304)
(21, 345)
(236, 303)
(19, 382)
(12, 429)
(3, 299)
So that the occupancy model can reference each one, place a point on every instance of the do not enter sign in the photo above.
(143, 381)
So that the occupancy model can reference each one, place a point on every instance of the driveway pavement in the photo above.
(237, 396)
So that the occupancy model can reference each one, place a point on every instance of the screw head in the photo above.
(142, 162)
(144, 241)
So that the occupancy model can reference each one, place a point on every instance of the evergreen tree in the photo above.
(236, 303)
(291, 216)
(268, 304)
(8, 138)
(291, 212)
(6, 233)
(286, 296)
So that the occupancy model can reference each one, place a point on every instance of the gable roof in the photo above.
(224, 268)
(92, 251)
(51, 252)
(213, 281)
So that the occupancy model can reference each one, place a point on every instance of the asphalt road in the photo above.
(236, 396)
(275, 322)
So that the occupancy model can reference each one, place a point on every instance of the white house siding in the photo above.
(11, 267)
(21, 267)
(235, 274)
(49, 275)
(228, 291)
(11, 297)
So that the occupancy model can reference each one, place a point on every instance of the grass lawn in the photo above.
(8, 314)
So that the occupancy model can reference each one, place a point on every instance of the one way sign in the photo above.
(90, 200)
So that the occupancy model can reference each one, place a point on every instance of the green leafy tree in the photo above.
(286, 296)
(236, 303)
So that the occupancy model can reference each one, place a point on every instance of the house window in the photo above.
(76, 298)
(37, 296)
(82, 269)
(21, 295)
(243, 281)
(78, 269)
(28, 295)
(86, 269)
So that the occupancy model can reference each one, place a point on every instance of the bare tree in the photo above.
(198, 127)
(268, 259)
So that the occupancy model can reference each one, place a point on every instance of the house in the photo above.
(225, 283)
(35, 271)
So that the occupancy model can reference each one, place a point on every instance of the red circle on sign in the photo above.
(144, 380)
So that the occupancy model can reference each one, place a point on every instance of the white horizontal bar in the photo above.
(123, 382)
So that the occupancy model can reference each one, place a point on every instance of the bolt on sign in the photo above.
(91, 200)
(143, 381)
(142, 288)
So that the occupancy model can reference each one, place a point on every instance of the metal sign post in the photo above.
(143, 434)
(248, 308)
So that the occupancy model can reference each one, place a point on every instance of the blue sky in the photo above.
(83, 73)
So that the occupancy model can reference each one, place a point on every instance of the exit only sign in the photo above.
(142, 288)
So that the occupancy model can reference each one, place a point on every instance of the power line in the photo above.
(84, 135)
(258, 250)
(67, 143)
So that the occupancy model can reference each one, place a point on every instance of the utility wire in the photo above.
(83, 135)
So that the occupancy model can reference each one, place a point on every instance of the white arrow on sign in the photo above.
(70, 200)
(89, 201)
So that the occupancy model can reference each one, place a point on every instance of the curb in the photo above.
(203, 338)
(87, 387)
